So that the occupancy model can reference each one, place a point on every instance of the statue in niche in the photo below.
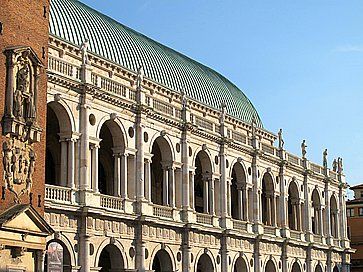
(325, 159)
(303, 149)
(84, 48)
(281, 140)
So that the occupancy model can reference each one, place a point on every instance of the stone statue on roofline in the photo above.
(281, 140)
(139, 78)
(223, 111)
(335, 165)
(340, 165)
(183, 98)
(325, 158)
(253, 126)
(84, 48)
(303, 149)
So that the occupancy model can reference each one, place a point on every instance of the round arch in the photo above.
(267, 199)
(240, 264)
(334, 216)
(207, 155)
(241, 163)
(238, 182)
(204, 262)
(117, 250)
(296, 267)
(318, 268)
(64, 113)
(166, 255)
(117, 130)
(57, 256)
(336, 269)
(166, 143)
(270, 266)
(316, 215)
(293, 206)
(202, 180)
(66, 243)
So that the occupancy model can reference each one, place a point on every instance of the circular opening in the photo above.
(216, 159)
(227, 163)
(218, 259)
(146, 137)
(249, 171)
(178, 256)
(92, 119)
(190, 152)
(146, 253)
(177, 147)
(132, 252)
(131, 132)
(251, 262)
(91, 249)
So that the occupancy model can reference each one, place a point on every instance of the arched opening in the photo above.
(109, 159)
(202, 183)
(57, 257)
(240, 265)
(162, 262)
(336, 269)
(162, 173)
(110, 259)
(205, 264)
(270, 266)
(295, 267)
(238, 193)
(59, 158)
(268, 201)
(333, 217)
(318, 268)
(316, 213)
(293, 207)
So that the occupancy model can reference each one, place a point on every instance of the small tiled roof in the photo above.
(75, 22)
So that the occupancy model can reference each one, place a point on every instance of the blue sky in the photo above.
(300, 62)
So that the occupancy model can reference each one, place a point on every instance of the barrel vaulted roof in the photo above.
(75, 22)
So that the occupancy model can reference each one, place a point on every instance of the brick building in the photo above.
(355, 229)
(23, 81)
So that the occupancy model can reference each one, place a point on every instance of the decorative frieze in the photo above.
(294, 251)
(240, 244)
(61, 220)
(318, 255)
(270, 248)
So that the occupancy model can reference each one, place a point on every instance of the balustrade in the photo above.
(58, 193)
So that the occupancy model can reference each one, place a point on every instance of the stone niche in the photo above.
(19, 122)
(22, 76)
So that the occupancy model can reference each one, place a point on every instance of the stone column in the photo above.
(321, 221)
(94, 175)
(228, 181)
(116, 175)
(148, 179)
(240, 203)
(139, 162)
(124, 179)
(205, 195)
(244, 203)
(211, 196)
(165, 186)
(171, 174)
(84, 154)
(84, 253)
(191, 188)
(274, 221)
(224, 200)
(64, 163)
(40, 258)
(71, 165)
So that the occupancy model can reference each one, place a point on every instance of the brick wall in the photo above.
(25, 22)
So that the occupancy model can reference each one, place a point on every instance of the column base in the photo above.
(257, 228)
(188, 215)
(285, 233)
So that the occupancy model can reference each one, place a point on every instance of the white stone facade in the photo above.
(145, 180)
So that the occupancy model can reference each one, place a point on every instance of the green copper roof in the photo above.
(75, 22)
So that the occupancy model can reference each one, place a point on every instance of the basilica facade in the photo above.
(155, 162)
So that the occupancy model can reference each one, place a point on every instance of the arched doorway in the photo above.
(238, 193)
(162, 262)
(270, 266)
(162, 173)
(318, 268)
(333, 217)
(295, 267)
(336, 269)
(205, 264)
(293, 207)
(268, 201)
(58, 144)
(316, 213)
(202, 183)
(109, 159)
(57, 257)
(110, 259)
(240, 265)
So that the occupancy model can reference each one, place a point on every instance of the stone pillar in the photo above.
(211, 197)
(321, 232)
(116, 175)
(71, 164)
(40, 258)
(171, 174)
(84, 253)
(124, 179)
(205, 195)
(274, 221)
(284, 199)
(64, 163)
(165, 186)
(229, 213)
(148, 179)
(84, 154)
(94, 175)
(224, 200)
(241, 203)
(327, 218)
(191, 188)
(139, 162)
(268, 210)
